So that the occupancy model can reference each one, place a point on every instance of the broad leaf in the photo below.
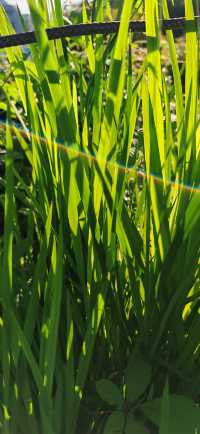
(115, 423)
(109, 392)
(133, 427)
(184, 414)
(165, 411)
(137, 377)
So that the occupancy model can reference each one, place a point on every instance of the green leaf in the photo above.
(133, 427)
(109, 392)
(165, 411)
(137, 377)
(56, 297)
(184, 414)
(115, 423)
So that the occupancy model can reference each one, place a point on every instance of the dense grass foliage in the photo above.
(100, 240)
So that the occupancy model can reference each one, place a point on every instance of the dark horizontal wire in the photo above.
(95, 28)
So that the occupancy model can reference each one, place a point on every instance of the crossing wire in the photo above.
(95, 28)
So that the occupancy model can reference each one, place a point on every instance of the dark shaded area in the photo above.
(177, 10)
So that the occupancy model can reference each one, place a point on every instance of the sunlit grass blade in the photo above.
(107, 145)
(191, 83)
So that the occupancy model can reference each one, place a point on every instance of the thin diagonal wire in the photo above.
(94, 28)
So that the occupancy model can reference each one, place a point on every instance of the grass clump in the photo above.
(99, 262)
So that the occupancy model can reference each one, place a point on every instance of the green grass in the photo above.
(100, 246)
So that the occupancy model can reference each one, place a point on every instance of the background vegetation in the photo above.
(100, 235)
